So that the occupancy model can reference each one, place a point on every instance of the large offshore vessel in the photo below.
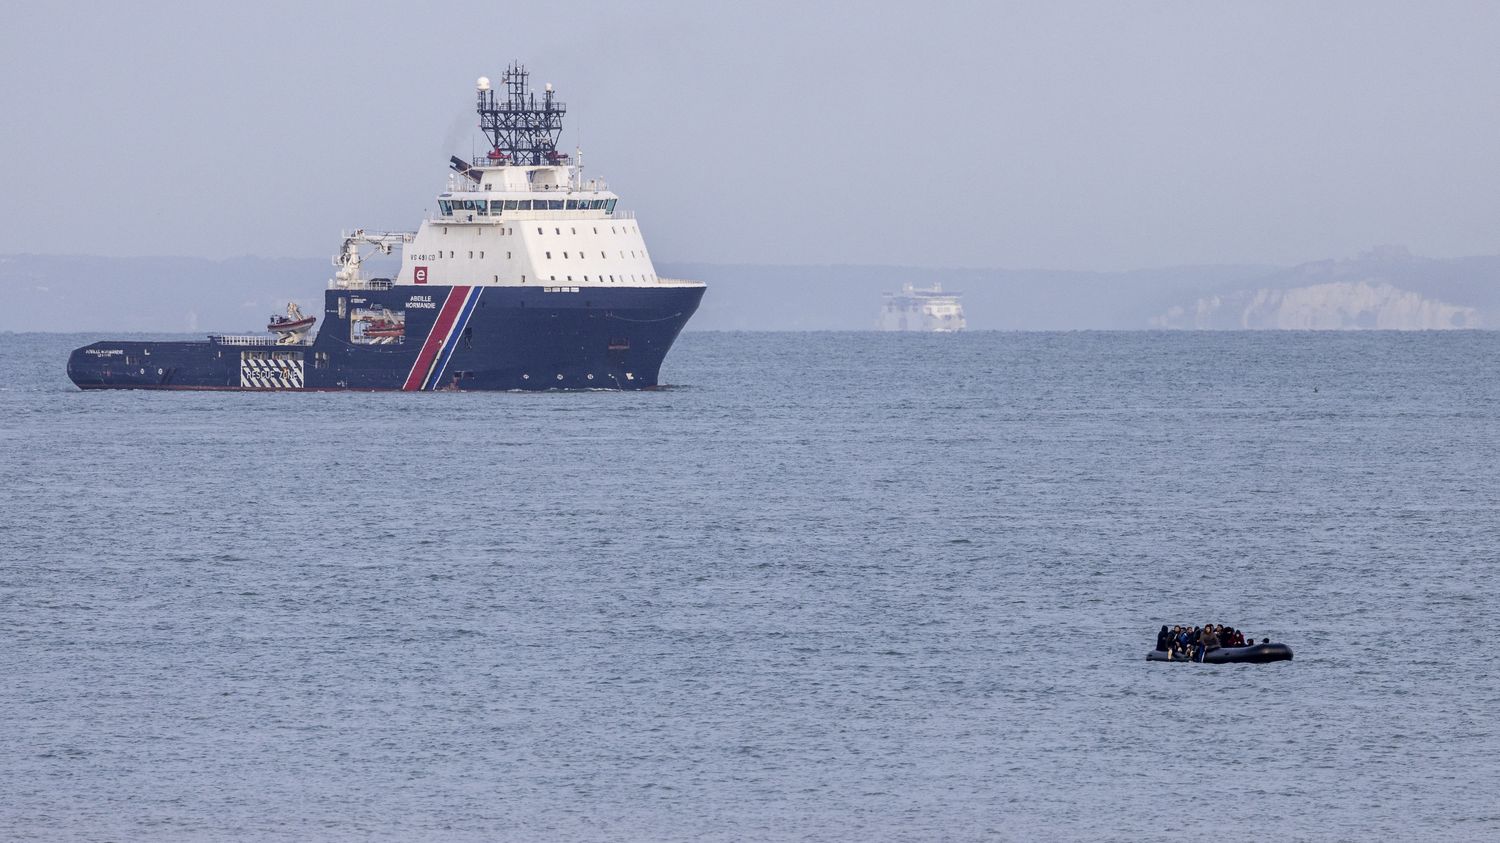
(922, 309)
(527, 277)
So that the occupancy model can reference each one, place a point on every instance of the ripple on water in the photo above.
(910, 604)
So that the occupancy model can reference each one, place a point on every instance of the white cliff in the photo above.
(1340, 305)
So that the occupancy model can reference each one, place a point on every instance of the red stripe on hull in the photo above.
(451, 306)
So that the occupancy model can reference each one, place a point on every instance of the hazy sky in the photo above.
(1062, 135)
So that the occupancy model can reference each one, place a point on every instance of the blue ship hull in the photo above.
(426, 338)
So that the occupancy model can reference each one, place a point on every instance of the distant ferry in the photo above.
(922, 309)
(528, 277)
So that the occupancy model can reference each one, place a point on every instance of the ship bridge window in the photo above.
(610, 206)
(571, 205)
(511, 204)
(554, 204)
(445, 206)
(478, 206)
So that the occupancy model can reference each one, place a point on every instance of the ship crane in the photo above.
(349, 259)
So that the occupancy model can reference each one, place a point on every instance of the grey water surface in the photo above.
(828, 586)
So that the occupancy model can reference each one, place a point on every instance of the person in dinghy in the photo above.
(1214, 644)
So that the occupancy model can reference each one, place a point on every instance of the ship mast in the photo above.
(521, 130)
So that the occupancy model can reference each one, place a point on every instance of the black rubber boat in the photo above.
(1252, 654)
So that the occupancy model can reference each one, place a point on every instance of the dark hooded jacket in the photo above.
(1210, 640)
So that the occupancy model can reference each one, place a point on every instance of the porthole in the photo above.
(591, 377)
(559, 377)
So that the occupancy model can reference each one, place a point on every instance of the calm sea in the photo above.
(828, 587)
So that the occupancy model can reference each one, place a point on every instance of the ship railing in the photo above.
(360, 284)
(241, 339)
(677, 282)
(523, 216)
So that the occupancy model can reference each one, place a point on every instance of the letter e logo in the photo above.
(419, 274)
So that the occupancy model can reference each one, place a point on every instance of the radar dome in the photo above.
(484, 83)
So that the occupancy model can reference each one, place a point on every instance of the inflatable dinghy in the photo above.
(1253, 654)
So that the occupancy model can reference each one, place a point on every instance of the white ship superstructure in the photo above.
(926, 309)
(524, 214)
